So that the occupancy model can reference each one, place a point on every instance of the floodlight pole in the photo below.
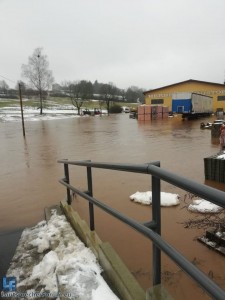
(21, 108)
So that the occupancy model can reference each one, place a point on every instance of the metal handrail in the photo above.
(152, 229)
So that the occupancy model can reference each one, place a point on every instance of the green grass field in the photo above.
(56, 101)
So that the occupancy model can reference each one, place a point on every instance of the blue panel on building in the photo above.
(181, 105)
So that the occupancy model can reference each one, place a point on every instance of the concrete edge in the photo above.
(115, 270)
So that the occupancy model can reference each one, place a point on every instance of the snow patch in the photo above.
(13, 114)
(204, 206)
(50, 255)
(222, 155)
(167, 199)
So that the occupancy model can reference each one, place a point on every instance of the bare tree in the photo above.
(75, 95)
(3, 87)
(108, 92)
(38, 74)
(79, 92)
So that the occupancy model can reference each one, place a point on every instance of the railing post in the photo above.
(67, 180)
(156, 217)
(91, 205)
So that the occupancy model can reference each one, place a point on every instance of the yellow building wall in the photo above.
(209, 89)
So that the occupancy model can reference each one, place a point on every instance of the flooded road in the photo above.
(29, 177)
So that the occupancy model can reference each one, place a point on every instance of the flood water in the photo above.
(29, 177)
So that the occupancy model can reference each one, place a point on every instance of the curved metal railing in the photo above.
(151, 229)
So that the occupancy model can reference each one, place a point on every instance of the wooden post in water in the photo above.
(21, 108)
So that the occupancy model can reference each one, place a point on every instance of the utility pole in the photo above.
(21, 108)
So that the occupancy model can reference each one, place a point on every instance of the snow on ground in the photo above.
(204, 206)
(13, 114)
(9, 114)
(51, 258)
(222, 155)
(167, 199)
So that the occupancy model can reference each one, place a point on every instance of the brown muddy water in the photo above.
(29, 182)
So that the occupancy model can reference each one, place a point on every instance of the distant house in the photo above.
(163, 95)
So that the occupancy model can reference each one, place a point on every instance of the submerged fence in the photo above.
(151, 229)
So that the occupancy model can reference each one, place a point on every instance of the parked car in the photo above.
(126, 109)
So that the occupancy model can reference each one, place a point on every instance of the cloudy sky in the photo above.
(147, 43)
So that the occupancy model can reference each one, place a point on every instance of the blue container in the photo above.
(180, 106)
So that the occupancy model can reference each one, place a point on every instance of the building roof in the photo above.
(186, 81)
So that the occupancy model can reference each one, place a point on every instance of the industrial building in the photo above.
(163, 96)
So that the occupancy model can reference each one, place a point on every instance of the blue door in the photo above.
(180, 109)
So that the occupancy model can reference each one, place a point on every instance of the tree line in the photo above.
(40, 82)
(99, 91)
(83, 90)
(6, 91)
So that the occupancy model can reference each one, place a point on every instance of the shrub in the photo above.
(115, 109)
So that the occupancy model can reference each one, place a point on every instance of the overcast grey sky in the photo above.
(147, 43)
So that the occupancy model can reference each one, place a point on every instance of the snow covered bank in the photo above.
(204, 206)
(167, 199)
(51, 258)
(13, 114)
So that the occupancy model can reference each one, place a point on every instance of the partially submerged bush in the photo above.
(115, 109)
